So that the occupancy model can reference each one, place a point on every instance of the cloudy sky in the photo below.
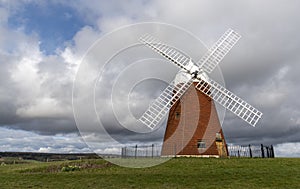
(42, 44)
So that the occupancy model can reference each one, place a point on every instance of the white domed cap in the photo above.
(182, 77)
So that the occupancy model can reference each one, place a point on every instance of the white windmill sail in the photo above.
(229, 100)
(218, 51)
(168, 52)
(161, 106)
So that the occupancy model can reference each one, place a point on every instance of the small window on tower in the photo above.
(177, 115)
(201, 144)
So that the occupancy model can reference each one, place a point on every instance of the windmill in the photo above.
(208, 92)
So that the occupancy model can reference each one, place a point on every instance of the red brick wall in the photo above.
(198, 120)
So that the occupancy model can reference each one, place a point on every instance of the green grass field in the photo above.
(176, 173)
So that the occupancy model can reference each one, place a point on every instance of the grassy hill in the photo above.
(176, 173)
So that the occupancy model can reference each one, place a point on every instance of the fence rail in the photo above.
(154, 150)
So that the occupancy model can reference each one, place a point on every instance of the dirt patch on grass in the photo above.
(62, 167)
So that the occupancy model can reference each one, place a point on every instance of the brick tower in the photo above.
(193, 127)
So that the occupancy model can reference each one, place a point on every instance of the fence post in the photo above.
(268, 151)
(262, 151)
(135, 152)
(250, 151)
(272, 151)
(124, 150)
(152, 150)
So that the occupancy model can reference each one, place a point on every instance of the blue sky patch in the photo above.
(54, 23)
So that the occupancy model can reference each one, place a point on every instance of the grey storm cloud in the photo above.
(263, 68)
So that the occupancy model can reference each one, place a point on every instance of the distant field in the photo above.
(176, 173)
